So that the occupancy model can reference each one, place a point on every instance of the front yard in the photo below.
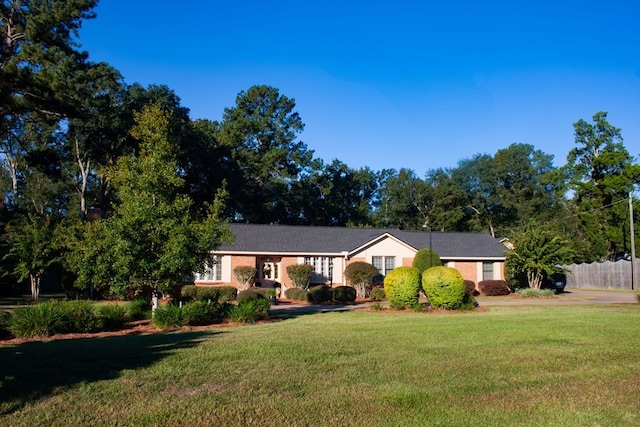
(528, 365)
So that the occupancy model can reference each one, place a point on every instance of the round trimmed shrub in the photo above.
(401, 286)
(296, 294)
(425, 259)
(470, 288)
(249, 294)
(493, 288)
(444, 287)
(319, 294)
(359, 274)
(344, 294)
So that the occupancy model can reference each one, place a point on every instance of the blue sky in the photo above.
(411, 84)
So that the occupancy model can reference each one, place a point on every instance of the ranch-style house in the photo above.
(271, 248)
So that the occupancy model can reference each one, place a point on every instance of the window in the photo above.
(487, 271)
(384, 264)
(322, 269)
(213, 271)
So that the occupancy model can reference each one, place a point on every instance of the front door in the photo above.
(269, 273)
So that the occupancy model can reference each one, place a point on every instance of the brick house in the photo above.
(271, 248)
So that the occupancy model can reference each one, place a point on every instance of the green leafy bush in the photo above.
(202, 312)
(112, 316)
(79, 316)
(402, 285)
(251, 294)
(296, 294)
(168, 316)
(249, 311)
(139, 309)
(245, 275)
(227, 293)
(535, 293)
(359, 274)
(377, 294)
(300, 275)
(444, 287)
(376, 306)
(44, 319)
(424, 259)
(188, 292)
(344, 294)
(319, 294)
(492, 288)
(208, 293)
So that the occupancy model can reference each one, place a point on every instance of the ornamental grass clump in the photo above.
(44, 319)
(402, 286)
(377, 294)
(112, 316)
(444, 288)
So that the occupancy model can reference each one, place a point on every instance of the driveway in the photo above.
(569, 297)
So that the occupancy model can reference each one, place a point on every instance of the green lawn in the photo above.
(530, 365)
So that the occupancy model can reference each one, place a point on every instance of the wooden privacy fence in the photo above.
(602, 275)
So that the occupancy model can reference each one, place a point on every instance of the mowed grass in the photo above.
(528, 365)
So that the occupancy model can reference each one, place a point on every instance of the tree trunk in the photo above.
(34, 280)
(154, 300)
(535, 280)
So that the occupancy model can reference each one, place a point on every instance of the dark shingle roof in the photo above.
(293, 239)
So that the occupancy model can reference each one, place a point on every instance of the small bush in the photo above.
(402, 286)
(376, 306)
(112, 316)
(168, 316)
(79, 316)
(208, 293)
(300, 275)
(296, 294)
(535, 293)
(188, 293)
(359, 274)
(377, 294)
(250, 294)
(470, 288)
(444, 287)
(139, 309)
(492, 288)
(425, 259)
(227, 293)
(249, 311)
(202, 313)
(44, 319)
(319, 294)
(344, 294)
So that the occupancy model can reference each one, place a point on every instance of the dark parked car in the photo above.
(557, 282)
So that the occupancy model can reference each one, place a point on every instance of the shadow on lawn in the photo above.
(34, 370)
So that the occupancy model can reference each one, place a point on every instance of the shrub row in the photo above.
(322, 293)
(55, 317)
(208, 293)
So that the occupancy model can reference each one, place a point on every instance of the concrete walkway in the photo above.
(570, 297)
